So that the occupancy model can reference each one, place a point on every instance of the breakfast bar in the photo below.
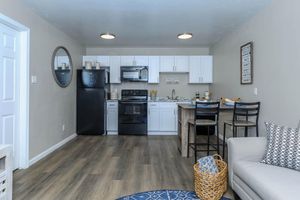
(185, 113)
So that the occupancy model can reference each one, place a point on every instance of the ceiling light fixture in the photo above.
(184, 36)
(107, 36)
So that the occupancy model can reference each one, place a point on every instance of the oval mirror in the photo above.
(62, 67)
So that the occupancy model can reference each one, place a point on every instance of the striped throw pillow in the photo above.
(283, 146)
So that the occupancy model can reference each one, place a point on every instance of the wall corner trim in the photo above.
(51, 149)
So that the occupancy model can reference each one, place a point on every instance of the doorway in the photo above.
(14, 89)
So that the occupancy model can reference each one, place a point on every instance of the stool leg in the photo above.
(218, 142)
(224, 137)
(208, 142)
(195, 139)
(246, 131)
(188, 141)
(257, 135)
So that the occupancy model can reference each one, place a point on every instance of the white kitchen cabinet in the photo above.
(153, 117)
(103, 60)
(200, 69)
(127, 60)
(162, 118)
(174, 63)
(153, 76)
(112, 117)
(207, 69)
(92, 59)
(114, 63)
(166, 63)
(181, 63)
(141, 60)
(168, 117)
(134, 61)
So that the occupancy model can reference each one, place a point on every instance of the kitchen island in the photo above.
(187, 112)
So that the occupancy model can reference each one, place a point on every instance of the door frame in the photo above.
(23, 132)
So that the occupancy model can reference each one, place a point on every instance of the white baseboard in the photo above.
(112, 133)
(51, 149)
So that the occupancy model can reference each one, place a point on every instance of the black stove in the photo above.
(133, 112)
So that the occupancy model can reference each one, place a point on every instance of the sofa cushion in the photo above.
(268, 181)
(283, 148)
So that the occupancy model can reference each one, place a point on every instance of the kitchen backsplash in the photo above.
(178, 81)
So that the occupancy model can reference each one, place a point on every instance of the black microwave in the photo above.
(134, 73)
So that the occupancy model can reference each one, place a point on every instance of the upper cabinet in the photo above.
(153, 69)
(114, 63)
(174, 63)
(200, 68)
(134, 60)
(181, 63)
(103, 60)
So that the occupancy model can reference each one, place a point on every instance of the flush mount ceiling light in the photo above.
(184, 36)
(107, 36)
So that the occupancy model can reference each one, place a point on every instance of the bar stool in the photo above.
(206, 115)
(241, 114)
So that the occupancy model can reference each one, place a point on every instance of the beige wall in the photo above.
(50, 105)
(275, 32)
(183, 89)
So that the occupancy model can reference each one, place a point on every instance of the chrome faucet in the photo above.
(173, 94)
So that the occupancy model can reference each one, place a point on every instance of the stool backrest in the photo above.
(207, 110)
(246, 110)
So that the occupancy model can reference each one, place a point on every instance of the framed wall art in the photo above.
(246, 56)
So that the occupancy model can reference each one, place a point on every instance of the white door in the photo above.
(206, 69)
(181, 63)
(166, 63)
(167, 117)
(141, 60)
(153, 69)
(114, 64)
(194, 69)
(9, 89)
(153, 117)
(127, 60)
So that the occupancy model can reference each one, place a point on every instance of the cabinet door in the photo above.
(153, 117)
(206, 69)
(114, 63)
(181, 63)
(194, 69)
(167, 117)
(92, 59)
(141, 60)
(127, 60)
(153, 69)
(103, 60)
(112, 116)
(166, 63)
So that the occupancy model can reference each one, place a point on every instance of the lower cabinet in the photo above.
(112, 118)
(162, 118)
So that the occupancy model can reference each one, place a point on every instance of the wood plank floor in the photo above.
(106, 167)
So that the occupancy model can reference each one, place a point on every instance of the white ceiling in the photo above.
(147, 23)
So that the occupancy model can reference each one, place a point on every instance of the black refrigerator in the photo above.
(92, 92)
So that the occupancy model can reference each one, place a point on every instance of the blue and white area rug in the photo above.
(164, 195)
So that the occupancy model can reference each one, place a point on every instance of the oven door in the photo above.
(132, 118)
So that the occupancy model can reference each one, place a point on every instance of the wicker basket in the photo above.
(211, 186)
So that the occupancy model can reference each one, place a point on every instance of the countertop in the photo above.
(192, 107)
(160, 101)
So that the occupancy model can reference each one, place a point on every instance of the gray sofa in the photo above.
(252, 180)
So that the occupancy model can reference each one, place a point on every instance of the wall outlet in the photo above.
(63, 127)
(33, 79)
(255, 91)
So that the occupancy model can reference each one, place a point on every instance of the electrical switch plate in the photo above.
(255, 91)
(33, 79)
